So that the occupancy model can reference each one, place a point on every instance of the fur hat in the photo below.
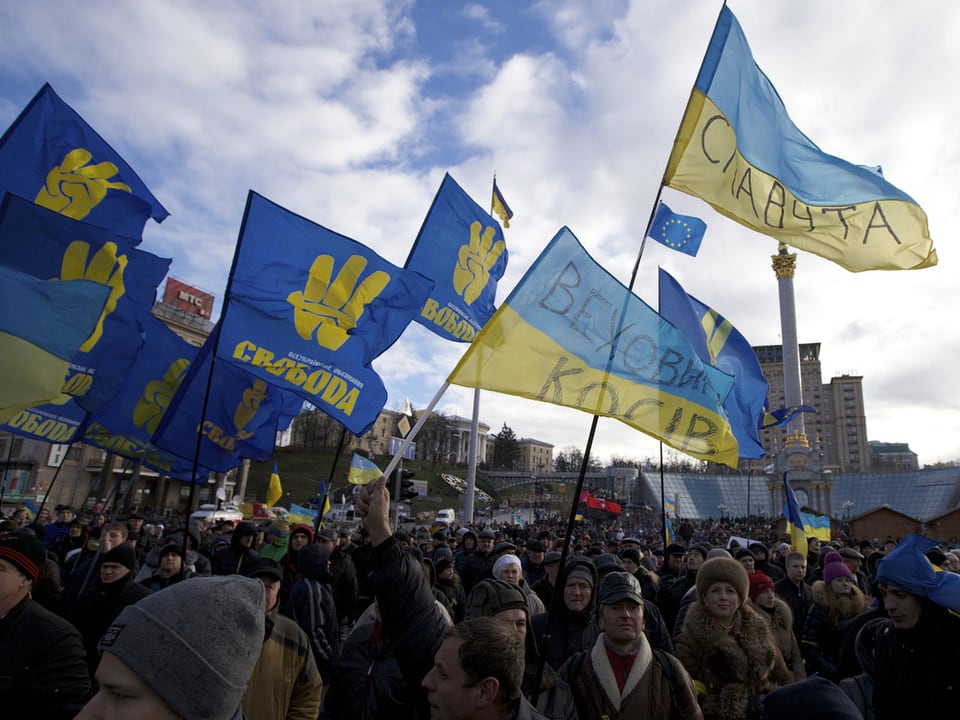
(834, 567)
(758, 583)
(502, 563)
(489, 597)
(194, 643)
(723, 569)
(23, 550)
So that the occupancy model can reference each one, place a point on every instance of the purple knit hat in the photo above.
(834, 567)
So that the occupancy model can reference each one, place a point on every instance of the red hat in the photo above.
(758, 583)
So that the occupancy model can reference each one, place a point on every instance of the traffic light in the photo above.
(406, 484)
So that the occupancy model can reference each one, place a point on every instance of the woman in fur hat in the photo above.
(727, 647)
(777, 613)
(836, 601)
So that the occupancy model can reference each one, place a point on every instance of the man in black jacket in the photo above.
(43, 668)
(795, 592)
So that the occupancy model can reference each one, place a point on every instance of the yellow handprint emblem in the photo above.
(74, 188)
(106, 268)
(330, 306)
(157, 396)
(474, 261)
(249, 404)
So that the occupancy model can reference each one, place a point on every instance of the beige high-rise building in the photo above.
(839, 429)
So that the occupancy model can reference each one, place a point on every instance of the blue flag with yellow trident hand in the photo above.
(460, 247)
(242, 416)
(51, 156)
(719, 343)
(682, 233)
(49, 245)
(571, 334)
(125, 425)
(308, 309)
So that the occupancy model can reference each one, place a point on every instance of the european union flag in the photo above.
(243, 413)
(719, 343)
(679, 232)
(460, 247)
(308, 310)
(126, 423)
(53, 157)
(46, 244)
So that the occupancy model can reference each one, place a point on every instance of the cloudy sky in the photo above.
(350, 111)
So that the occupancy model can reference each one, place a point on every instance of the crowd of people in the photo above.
(125, 620)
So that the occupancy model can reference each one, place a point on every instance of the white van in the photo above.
(209, 515)
(445, 516)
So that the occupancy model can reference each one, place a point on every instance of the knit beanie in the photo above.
(631, 554)
(812, 697)
(502, 562)
(489, 597)
(758, 583)
(279, 528)
(834, 567)
(723, 569)
(121, 555)
(194, 643)
(23, 550)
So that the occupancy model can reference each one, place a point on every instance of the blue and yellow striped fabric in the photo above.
(738, 150)
(571, 334)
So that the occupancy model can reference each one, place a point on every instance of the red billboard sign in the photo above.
(188, 298)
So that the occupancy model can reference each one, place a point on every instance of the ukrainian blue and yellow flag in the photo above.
(362, 470)
(802, 525)
(720, 344)
(42, 325)
(571, 334)
(500, 207)
(308, 310)
(460, 247)
(45, 244)
(126, 423)
(275, 490)
(670, 511)
(738, 150)
(51, 156)
(239, 418)
(301, 515)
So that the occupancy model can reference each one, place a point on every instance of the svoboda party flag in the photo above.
(50, 155)
(461, 248)
(308, 309)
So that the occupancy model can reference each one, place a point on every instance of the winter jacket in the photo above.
(571, 631)
(647, 692)
(311, 606)
(916, 669)
(99, 606)
(285, 683)
(367, 682)
(43, 667)
(456, 597)
(824, 629)
(733, 670)
(411, 618)
(799, 598)
(781, 625)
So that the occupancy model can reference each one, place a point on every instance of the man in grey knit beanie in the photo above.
(184, 652)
